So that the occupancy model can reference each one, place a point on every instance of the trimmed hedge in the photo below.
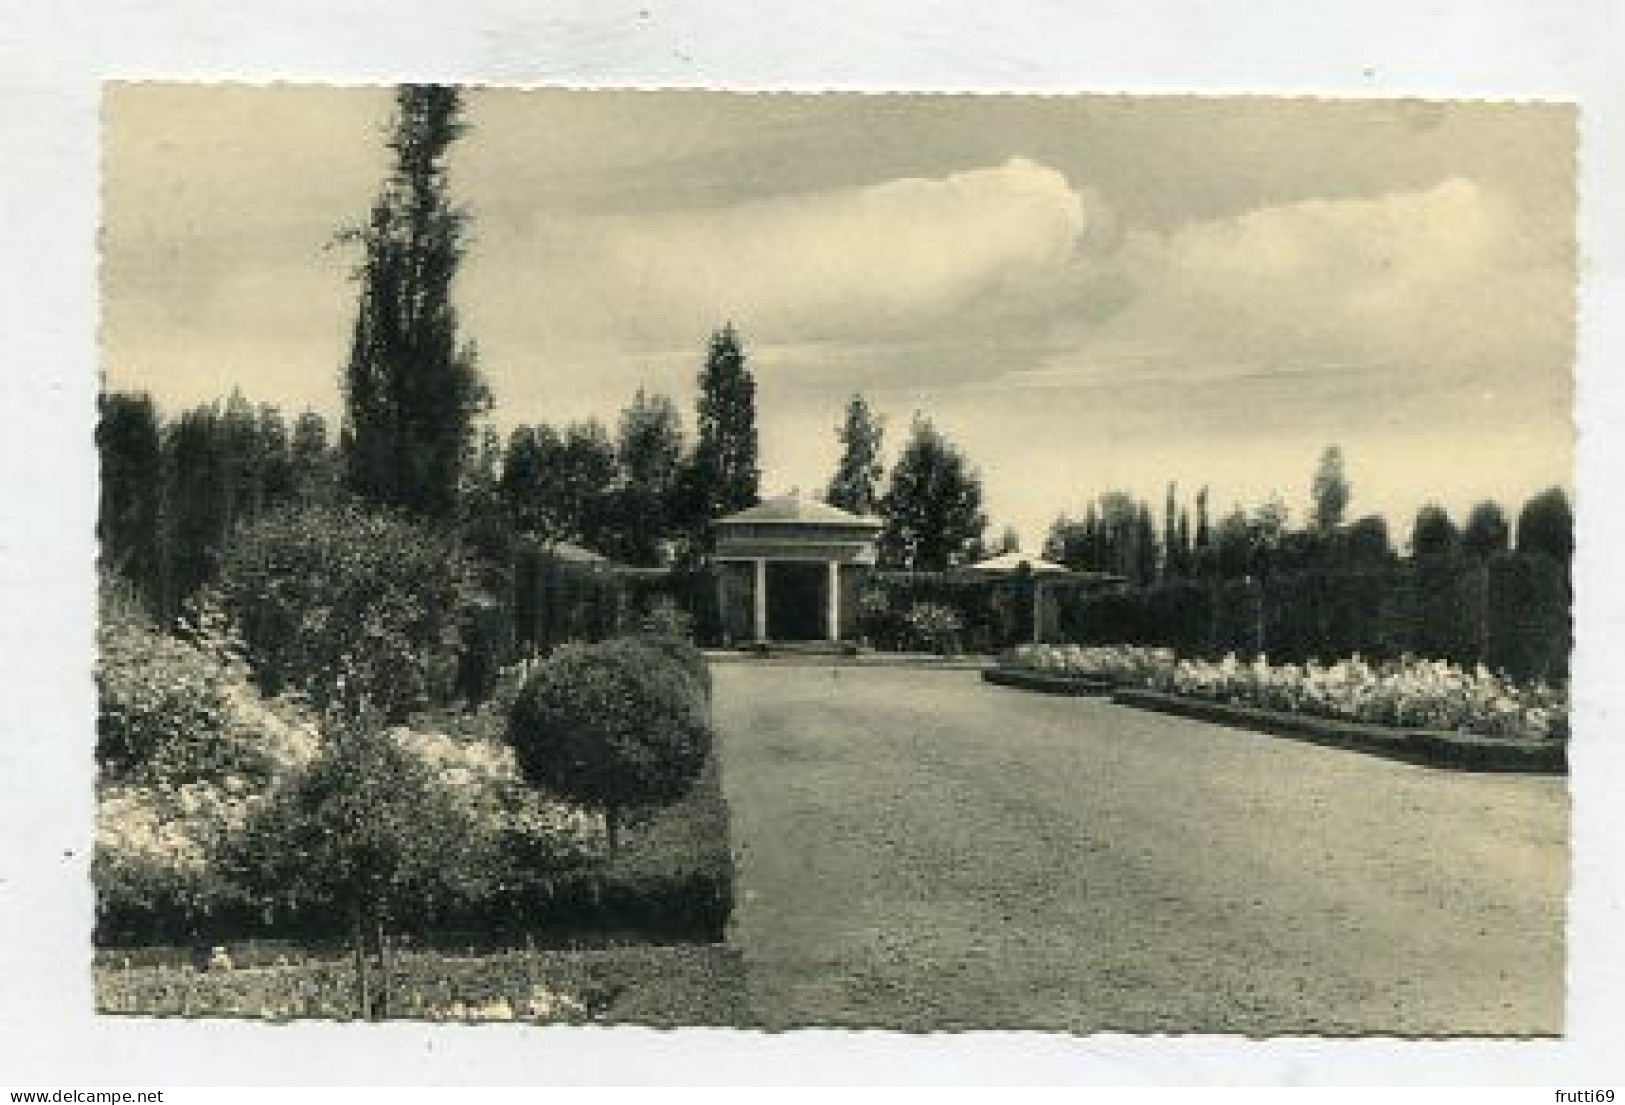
(1509, 612)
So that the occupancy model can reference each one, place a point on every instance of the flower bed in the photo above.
(1407, 694)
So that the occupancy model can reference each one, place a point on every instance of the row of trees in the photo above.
(1118, 534)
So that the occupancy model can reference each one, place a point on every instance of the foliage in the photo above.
(411, 389)
(342, 600)
(1128, 664)
(679, 651)
(649, 449)
(664, 617)
(724, 475)
(933, 507)
(856, 484)
(1486, 531)
(173, 711)
(1330, 491)
(1546, 526)
(362, 830)
(1433, 534)
(128, 512)
(934, 627)
(1430, 694)
(602, 725)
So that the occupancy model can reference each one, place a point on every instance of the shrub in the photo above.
(332, 596)
(601, 725)
(665, 618)
(156, 865)
(934, 627)
(161, 706)
(681, 653)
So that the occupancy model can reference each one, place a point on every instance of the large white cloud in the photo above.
(1443, 286)
(888, 258)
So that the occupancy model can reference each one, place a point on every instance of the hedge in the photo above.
(1509, 612)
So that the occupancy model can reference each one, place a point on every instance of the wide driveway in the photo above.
(919, 850)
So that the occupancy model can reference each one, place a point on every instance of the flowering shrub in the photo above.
(934, 627)
(1409, 693)
(1418, 694)
(325, 596)
(1127, 664)
(665, 618)
(157, 849)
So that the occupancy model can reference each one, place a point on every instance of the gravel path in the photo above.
(918, 850)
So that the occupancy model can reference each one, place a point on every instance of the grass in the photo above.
(697, 984)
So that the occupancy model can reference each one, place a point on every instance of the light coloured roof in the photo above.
(1011, 562)
(796, 510)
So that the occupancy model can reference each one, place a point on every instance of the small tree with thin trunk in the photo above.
(614, 726)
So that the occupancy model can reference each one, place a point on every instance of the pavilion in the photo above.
(791, 568)
(1045, 578)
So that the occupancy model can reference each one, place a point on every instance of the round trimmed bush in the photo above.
(680, 652)
(606, 726)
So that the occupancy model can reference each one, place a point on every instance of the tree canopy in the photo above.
(856, 484)
(411, 387)
(932, 509)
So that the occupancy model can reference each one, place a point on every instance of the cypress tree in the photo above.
(856, 485)
(724, 476)
(411, 388)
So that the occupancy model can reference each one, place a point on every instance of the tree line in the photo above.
(1118, 534)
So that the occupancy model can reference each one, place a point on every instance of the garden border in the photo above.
(1044, 682)
(1432, 748)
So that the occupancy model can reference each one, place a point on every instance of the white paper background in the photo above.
(51, 59)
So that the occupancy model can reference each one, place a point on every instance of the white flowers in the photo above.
(1410, 693)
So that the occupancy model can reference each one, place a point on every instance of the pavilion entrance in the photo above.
(797, 598)
(790, 569)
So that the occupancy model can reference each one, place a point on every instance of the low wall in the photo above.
(1050, 682)
(1462, 751)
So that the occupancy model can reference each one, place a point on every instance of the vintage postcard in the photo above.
(1086, 563)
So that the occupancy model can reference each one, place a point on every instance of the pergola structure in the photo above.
(1043, 576)
(790, 569)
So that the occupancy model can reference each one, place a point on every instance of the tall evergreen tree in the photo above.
(1546, 526)
(313, 465)
(411, 388)
(1433, 534)
(649, 447)
(197, 504)
(1182, 544)
(856, 485)
(127, 521)
(1169, 566)
(1486, 531)
(724, 476)
(1330, 491)
(1202, 556)
(1146, 556)
(932, 508)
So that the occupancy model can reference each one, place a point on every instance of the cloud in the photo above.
(1442, 287)
(886, 258)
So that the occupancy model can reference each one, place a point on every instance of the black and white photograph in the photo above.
(1087, 563)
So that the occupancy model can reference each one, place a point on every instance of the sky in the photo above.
(1085, 293)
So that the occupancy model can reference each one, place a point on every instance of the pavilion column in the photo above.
(834, 605)
(760, 596)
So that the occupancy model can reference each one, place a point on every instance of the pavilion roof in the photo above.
(793, 509)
